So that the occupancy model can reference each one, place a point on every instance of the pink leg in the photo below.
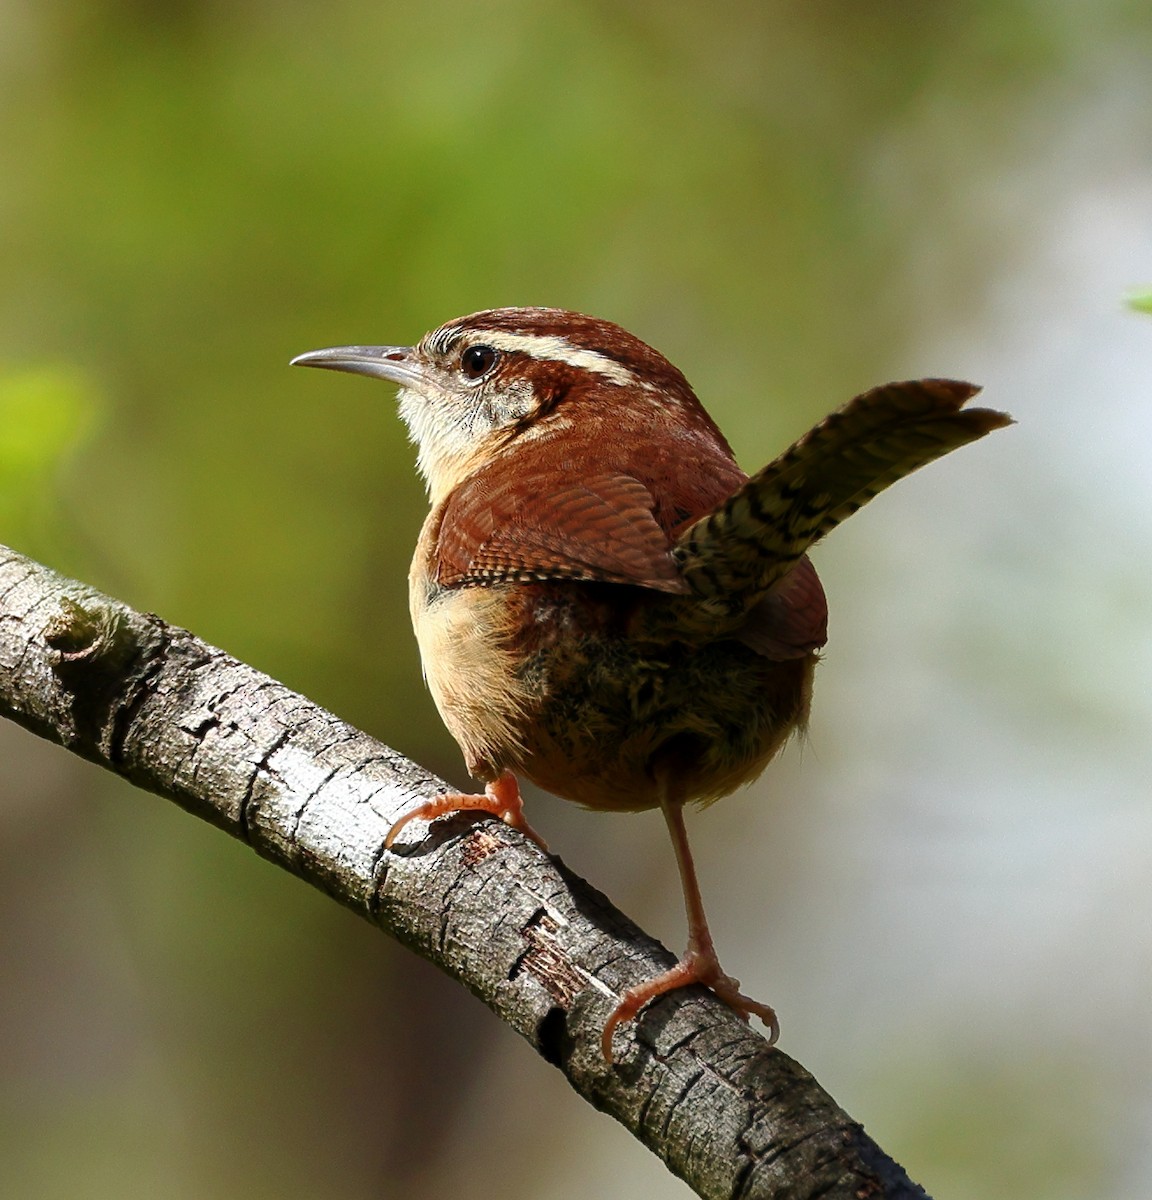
(699, 964)
(501, 798)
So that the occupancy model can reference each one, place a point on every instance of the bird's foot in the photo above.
(696, 966)
(501, 798)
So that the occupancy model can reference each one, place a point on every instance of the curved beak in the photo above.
(398, 364)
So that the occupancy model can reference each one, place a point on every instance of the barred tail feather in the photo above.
(737, 552)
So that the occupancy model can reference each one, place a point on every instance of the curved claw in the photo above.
(501, 798)
(694, 967)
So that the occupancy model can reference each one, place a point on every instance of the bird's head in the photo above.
(484, 381)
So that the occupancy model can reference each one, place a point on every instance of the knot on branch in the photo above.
(79, 634)
(99, 652)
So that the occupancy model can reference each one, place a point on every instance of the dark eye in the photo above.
(477, 361)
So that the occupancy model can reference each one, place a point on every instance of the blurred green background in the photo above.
(945, 891)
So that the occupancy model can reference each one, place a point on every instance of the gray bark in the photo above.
(545, 951)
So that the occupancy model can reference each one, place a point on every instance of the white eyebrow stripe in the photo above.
(554, 349)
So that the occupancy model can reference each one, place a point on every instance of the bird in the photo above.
(605, 603)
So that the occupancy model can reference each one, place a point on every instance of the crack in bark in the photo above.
(546, 960)
(260, 767)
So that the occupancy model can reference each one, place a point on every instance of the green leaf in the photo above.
(1141, 301)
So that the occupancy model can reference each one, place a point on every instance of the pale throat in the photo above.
(448, 450)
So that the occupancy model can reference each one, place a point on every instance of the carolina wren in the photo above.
(605, 603)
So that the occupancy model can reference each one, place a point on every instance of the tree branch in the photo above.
(546, 952)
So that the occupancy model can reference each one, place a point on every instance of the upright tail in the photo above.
(738, 551)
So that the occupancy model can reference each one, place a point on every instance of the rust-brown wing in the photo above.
(517, 525)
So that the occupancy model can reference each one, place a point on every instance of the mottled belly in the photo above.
(618, 720)
(545, 680)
